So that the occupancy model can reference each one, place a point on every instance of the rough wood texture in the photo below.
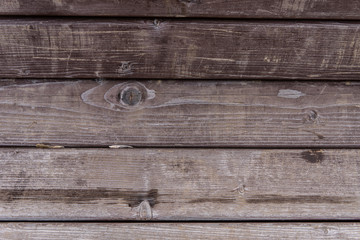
(168, 231)
(180, 113)
(178, 49)
(309, 9)
(179, 184)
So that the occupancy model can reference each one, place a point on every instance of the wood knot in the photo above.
(311, 117)
(130, 96)
(157, 23)
(125, 67)
(313, 155)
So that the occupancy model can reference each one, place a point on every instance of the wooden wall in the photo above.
(179, 119)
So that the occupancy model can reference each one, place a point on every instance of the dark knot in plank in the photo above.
(131, 96)
(313, 155)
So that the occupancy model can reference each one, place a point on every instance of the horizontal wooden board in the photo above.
(179, 184)
(309, 9)
(168, 231)
(180, 113)
(178, 49)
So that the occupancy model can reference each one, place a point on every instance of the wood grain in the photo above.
(308, 9)
(179, 113)
(179, 184)
(88, 231)
(178, 49)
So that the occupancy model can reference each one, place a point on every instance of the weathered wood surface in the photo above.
(308, 9)
(166, 231)
(179, 184)
(80, 48)
(180, 113)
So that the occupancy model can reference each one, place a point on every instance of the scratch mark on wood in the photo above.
(315, 133)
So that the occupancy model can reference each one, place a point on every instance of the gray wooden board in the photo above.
(178, 49)
(314, 9)
(179, 184)
(180, 113)
(228, 231)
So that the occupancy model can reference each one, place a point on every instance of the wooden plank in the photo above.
(180, 113)
(80, 48)
(168, 231)
(308, 9)
(179, 184)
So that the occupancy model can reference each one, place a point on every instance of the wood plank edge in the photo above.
(335, 230)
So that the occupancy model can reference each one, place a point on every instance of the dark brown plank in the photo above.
(178, 49)
(176, 231)
(179, 184)
(180, 113)
(309, 9)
